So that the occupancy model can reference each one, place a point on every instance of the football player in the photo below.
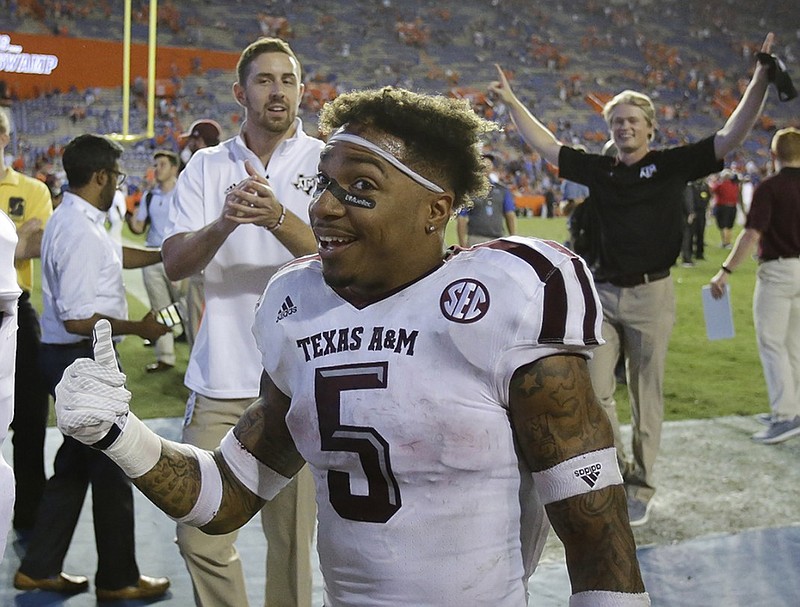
(440, 398)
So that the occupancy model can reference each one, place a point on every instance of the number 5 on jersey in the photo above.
(383, 496)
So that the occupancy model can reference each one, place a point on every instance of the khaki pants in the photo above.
(288, 522)
(776, 311)
(637, 321)
(161, 292)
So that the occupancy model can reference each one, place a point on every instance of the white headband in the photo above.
(360, 141)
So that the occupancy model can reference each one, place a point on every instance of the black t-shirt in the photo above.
(640, 207)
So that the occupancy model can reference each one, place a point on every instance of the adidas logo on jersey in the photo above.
(589, 474)
(287, 309)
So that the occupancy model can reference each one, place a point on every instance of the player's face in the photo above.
(629, 128)
(370, 219)
(272, 92)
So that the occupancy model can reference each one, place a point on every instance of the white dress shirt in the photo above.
(81, 270)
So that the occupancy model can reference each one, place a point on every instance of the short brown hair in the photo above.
(173, 158)
(259, 47)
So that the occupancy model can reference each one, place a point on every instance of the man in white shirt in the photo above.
(238, 253)
(153, 215)
(82, 283)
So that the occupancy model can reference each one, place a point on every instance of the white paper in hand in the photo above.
(718, 314)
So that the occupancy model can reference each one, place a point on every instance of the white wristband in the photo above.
(259, 478)
(210, 497)
(580, 474)
(137, 448)
(606, 598)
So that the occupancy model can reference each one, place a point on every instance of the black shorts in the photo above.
(725, 217)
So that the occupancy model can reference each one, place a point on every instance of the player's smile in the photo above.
(329, 246)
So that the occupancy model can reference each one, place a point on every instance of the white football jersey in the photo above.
(401, 409)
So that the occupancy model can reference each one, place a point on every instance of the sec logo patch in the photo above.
(464, 301)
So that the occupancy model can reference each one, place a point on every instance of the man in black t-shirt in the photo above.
(638, 196)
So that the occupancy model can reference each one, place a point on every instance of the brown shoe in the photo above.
(145, 588)
(63, 583)
(158, 367)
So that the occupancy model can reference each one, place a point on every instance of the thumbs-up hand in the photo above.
(91, 399)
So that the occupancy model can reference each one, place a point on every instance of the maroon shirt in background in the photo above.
(775, 213)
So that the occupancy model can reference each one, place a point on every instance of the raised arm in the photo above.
(535, 134)
(741, 121)
(564, 434)
(217, 492)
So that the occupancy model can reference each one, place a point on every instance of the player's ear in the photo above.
(441, 208)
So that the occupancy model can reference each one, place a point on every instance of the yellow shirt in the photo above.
(24, 198)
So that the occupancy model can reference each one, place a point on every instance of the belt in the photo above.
(634, 280)
(84, 343)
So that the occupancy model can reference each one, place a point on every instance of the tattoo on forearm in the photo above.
(556, 415)
(598, 519)
(268, 439)
(174, 483)
(238, 503)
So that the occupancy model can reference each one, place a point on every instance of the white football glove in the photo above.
(92, 402)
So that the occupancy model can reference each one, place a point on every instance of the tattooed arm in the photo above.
(217, 492)
(556, 417)
(174, 483)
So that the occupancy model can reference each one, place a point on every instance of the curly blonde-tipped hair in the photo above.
(441, 134)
